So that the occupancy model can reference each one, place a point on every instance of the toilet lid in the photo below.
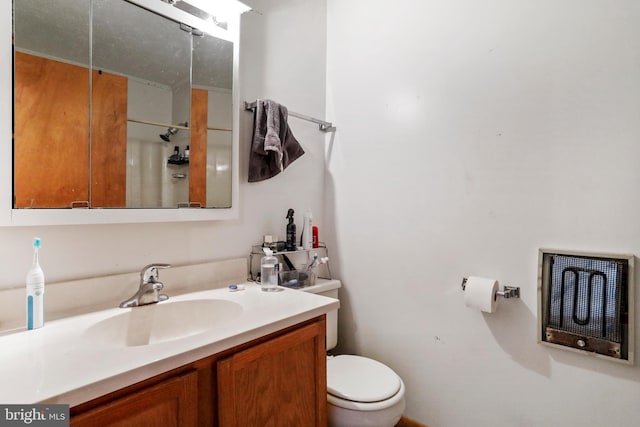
(360, 379)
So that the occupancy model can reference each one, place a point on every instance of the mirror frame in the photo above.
(25, 217)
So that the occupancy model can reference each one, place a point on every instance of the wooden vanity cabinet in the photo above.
(281, 382)
(171, 402)
(276, 380)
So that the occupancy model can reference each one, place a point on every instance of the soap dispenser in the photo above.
(269, 271)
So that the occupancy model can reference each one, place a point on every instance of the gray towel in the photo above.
(273, 147)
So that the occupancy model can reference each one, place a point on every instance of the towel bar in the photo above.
(323, 126)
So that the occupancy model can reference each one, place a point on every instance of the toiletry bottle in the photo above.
(269, 271)
(187, 153)
(175, 157)
(316, 242)
(35, 291)
(291, 232)
(306, 238)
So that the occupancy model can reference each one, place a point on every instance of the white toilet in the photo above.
(361, 392)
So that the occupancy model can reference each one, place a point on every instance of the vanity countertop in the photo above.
(62, 363)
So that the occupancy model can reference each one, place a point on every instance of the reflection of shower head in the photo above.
(167, 136)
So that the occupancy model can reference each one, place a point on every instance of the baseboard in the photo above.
(408, 422)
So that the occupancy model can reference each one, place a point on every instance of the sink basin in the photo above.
(162, 322)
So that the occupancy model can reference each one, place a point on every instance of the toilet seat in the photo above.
(362, 384)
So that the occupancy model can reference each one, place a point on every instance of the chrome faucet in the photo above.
(150, 286)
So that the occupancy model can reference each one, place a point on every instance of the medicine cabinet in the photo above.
(105, 92)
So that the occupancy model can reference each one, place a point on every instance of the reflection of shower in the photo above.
(172, 131)
(167, 136)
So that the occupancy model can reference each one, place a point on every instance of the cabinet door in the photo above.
(172, 402)
(281, 382)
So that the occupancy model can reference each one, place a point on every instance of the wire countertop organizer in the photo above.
(289, 259)
(323, 125)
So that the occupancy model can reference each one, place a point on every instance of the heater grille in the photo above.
(585, 296)
(585, 302)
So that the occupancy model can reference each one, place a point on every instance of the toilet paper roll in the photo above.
(480, 293)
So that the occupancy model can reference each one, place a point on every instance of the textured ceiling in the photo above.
(126, 39)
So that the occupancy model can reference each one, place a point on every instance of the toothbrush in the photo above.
(317, 262)
(313, 262)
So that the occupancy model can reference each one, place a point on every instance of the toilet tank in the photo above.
(328, 288)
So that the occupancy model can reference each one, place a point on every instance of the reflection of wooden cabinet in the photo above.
(275, 380)
(51, 148)
(198, 156)
(51, 152)
(108, 140)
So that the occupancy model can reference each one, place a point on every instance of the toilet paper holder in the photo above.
(507, 292)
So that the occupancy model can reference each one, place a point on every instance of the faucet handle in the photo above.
(150, 272)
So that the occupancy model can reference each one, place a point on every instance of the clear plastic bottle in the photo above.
(269, 271)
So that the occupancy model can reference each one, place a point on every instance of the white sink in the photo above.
(162, 322)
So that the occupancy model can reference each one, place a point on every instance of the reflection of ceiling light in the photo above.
(221, 9)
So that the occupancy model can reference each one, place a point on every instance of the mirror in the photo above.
(212, 87)
(51, 109)
(137, 115)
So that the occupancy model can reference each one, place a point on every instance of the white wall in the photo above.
(81, 251)
(177, 190)
(470, 134)
(219, 144)
(147, 153)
